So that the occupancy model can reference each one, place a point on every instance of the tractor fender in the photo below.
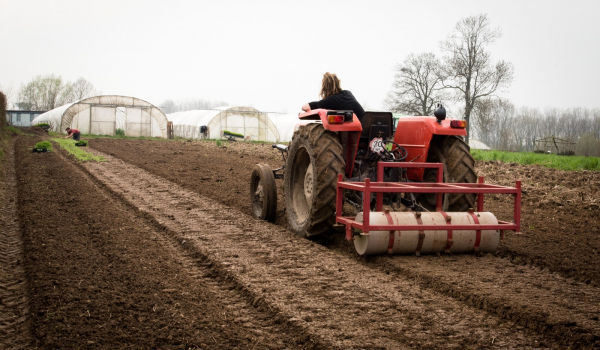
(348, 134)
(415, 134)
(321, 114)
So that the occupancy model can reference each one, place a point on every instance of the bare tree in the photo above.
(168, 106)
(3, 103)
(484, 122)
(9, 94)
(82, 89)
(53, 92)
(468, 68)
(44, 93)
(417, 86)
(503, 115)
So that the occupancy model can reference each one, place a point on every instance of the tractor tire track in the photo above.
(330, 294)
(566, 310)
(113, 281)
(14, 308)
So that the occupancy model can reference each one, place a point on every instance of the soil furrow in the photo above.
(14, 308)
(564, 309)
(329, 293)
(101, 277)
(559, 233)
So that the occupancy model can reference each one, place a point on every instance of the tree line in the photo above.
(44, 93)
(501, 125)
(467, 75)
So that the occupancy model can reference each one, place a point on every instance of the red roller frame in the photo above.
(380, 187)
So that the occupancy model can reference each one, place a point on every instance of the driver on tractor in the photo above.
(333, 97)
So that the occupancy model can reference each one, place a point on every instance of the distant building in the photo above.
(21, 118)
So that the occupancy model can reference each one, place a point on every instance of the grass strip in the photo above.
(77, 152)
(15, 130)
(148, 138)
(571, 163)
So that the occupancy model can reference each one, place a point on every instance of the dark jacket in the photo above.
(342, 101)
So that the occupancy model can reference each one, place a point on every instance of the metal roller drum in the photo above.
(433, 241)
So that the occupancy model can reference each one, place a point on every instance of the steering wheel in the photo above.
(400, 152)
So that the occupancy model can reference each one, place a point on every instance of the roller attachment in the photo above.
(477, 232)
(449, 240)
(392, 233)
(428, 241)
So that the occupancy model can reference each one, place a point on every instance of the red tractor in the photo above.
(337, 159)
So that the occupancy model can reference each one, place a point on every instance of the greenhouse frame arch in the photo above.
(253, 124)
(103, 115)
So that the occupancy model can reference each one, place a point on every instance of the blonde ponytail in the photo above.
(330, 85)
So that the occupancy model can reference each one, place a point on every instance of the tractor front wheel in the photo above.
(263, 193)
(310, 180)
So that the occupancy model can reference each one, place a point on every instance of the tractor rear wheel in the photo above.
(459, 167)
(310, 180)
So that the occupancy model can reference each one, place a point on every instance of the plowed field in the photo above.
(156, 248)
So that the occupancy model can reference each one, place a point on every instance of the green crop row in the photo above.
(47, 145)
(554, 161)
(79, 153)
(230, 133)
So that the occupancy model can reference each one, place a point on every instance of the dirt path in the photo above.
(561, 210)
(102, 277)
(14, 309)
(564, 309)
(328, 293)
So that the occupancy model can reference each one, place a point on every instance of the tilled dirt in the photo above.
(14, 304)
(560, 218)
(560, 209)
(101, 276)
(534, 288)
(156, 248)
(328, 293)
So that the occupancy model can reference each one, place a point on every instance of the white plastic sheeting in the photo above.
(253, 124)
(103, 115)
(287, 124)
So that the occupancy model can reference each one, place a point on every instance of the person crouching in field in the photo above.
(73, 132)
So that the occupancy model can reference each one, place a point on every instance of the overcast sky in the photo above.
(272, 54)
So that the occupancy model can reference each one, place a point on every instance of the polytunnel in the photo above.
(287, 124)
(253, 124)
(103, 115)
